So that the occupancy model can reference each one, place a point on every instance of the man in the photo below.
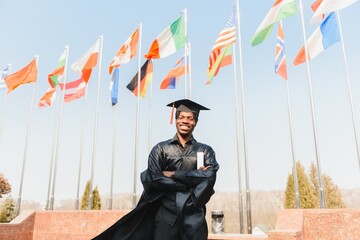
(172, 205)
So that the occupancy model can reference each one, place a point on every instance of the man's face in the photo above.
(185, 123)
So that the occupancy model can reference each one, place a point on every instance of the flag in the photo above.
(55, 76)
(48, 98)
(25, 75)
(315, 6)
(279, 11)
(3, 74)
(224, 59)
(323, 37)
(86, 63)
(178, 70)
(169, 41)
(330, 6)
(114, 85)
(226, 37)
(146, 74)
(126, 52)
(73, 90)
(280, 58)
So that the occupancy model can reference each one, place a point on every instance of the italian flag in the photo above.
(55, 76)
(169, 41)
(280, 10)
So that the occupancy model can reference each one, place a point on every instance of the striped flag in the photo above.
(323, 37)
(314, 7)
(178, 70)
(169, 41)
(3, 74)
(226, 37)
(56, 75)
(279, 11)
(224, 59)
(146, 74)
(87, 62)
(126, 52)
(280, 58)
(330, 6)
(48, 98)
(73, 90)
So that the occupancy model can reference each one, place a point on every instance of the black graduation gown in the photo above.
(193, 186)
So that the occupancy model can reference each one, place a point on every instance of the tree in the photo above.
(96, 199)
(7, 211)
(85, 197)
(96, 203)
(307, 198)
(5, 187)
(333, 198)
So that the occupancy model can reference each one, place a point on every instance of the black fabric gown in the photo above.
(193, 189)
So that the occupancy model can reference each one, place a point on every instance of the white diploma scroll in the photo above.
(200, 159)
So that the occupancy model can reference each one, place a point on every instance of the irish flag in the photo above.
(169, 41)
(86, 63)
(280, 10)
(55, 76)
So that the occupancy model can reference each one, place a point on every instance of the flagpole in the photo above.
(77, 203)
(248, 198)
(241, 214)
(52, 160)
(4, 108)
(297, 196)
(189, 70)
(321, 189)
(59, 122)
(95, 127)
(113, 158)
(349, 90)
(150, 116)
(137, 118)
(186, 79)
(26, 144)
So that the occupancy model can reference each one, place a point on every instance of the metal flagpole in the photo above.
(137, 119)
(241, 214)
(184, 12)
(321, 189)
(96, 124)
(52, 160)
(248, 199)
(150, 117)
(57, 146)
(4, 108)
(189, 69)
(349, 91)
(113, 158)
(296, 184)
(26, 144)
(77, 202)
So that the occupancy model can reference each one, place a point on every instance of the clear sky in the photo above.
(45, 27)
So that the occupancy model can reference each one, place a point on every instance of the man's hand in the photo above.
(168, 174)
(203, 168)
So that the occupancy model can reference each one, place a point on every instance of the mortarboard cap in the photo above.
(185, 105)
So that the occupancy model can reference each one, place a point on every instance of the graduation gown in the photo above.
(193, 188)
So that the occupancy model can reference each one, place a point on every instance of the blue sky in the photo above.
(45, 27)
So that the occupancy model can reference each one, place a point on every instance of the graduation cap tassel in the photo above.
(172, 113)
